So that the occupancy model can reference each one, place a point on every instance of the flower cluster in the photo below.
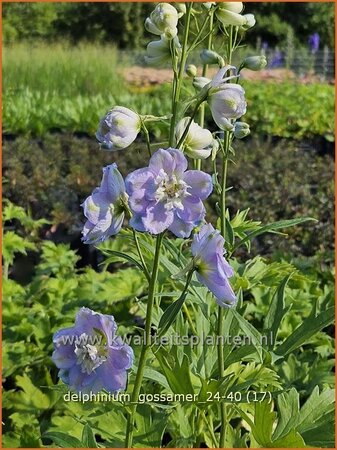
(90, 356)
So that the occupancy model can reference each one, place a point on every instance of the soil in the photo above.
(147, 76)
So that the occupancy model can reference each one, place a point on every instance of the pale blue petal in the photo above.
(200, 183)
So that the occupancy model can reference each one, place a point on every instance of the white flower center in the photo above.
(89, 356)
(170, 190)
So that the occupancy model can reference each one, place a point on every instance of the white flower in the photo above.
(163, 20)
(159, 52)
(250, 21)
(235, 7)
(226, 100)
(198, 143)
(118, 128)
(229, 13)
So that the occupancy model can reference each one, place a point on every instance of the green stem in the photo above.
(205, 67)
(204, 74)
(140, 254)
(180, 75)
(221, 311)
(146, 344)
(147, 138)
(189, 319)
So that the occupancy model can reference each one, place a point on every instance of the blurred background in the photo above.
(66, 64)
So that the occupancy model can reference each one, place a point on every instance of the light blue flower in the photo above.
(211, 267)
(118, 128)
(167, 196)
(105, 207)
(90, 356)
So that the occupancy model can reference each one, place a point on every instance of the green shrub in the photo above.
(53, 176)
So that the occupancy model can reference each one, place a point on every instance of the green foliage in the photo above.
(56, 88)
(267, 103)
(33, 399)
(105, 22)
(123, 23)
(274, 19)
(300, 183)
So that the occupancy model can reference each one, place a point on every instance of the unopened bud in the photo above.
(191, 70)
(241, 130)
(211, 57)
(255, 62)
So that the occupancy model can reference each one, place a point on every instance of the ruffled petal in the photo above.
(200, 183)
(193, 210)
(181, 228)
(140, 186)
(87, 320)
(112, 380)
(121, 356)
(157, 219)
(162, 159)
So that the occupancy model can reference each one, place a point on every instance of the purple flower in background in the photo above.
(105, 207)
(166, 195)
(90, 356)
(212, 269)
(313, 42)
(265, 45)
(277, 60)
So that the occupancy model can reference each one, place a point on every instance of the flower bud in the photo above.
(211, 57)
(118, 128)
(158, 53)
(250, 21)
(198, 143)
(191, 70)
(230, 18)
(255, 62)
(229, 13)
(235, 7)
(241, 130)
(181, 8)
(163, 20)
(208, 5)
